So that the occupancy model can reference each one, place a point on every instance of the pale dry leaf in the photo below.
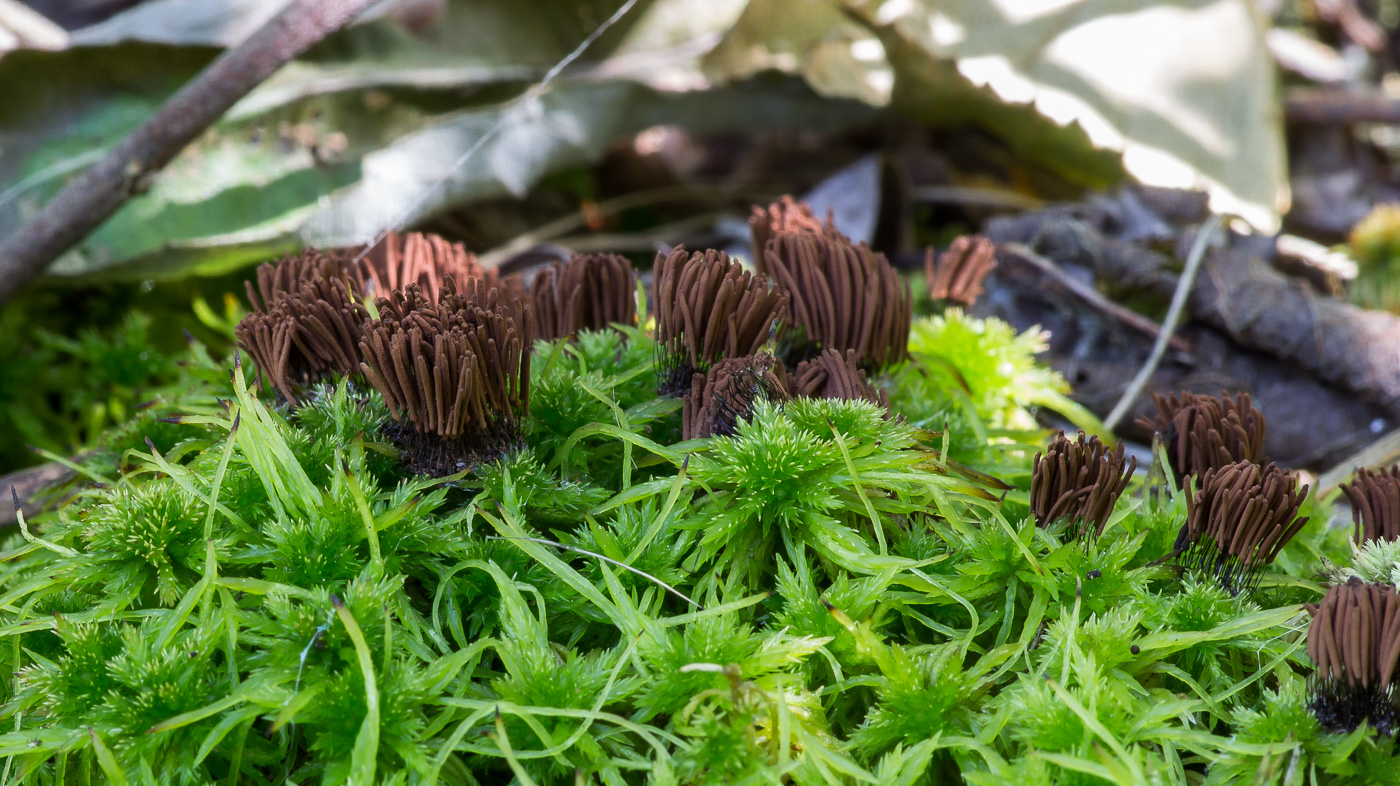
(1182, 91)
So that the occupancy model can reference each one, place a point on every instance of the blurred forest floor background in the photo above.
(1090, 138)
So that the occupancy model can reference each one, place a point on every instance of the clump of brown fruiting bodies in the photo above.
(1375, 503)
(1238, 521)
(458, 371)
(843, 296)
(785, 217)
(586, 293)
(1354, 642)
(709, 308)
(449, 353)
(306, 320)
(1080, 480)
(429, 261)
(1205, 432)
(723, 397)
(833, 374)
(956, 277)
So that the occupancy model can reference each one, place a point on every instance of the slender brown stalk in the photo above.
(709, 308)
(1237, 523)
(1375, 503)
(1354, 642)
(1079, 480)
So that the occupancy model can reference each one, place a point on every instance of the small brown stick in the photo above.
(1242, 296)
(1159, 347)
(28, 485)
(127, 168)
(1340, 106)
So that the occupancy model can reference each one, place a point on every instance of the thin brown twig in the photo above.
(1019, 252)
(1183, 289)
(127, 168)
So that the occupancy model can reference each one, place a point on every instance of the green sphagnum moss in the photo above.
(263, 596)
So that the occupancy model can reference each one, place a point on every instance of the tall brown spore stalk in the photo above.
(1205, 432)
(306, 320)
(1354, 642)
(709, 308)
(1238, 521)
